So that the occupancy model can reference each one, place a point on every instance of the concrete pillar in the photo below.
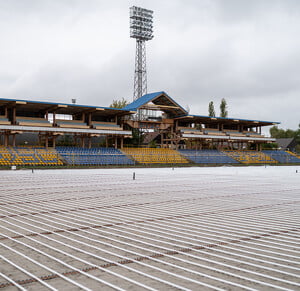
(122, 142)
(90, 142)
(54, 141)
(14, 140)
(116, 142)
(106, 141)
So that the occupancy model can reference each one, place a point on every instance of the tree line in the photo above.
(223, 109)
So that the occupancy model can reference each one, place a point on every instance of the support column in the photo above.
(6, 137)
(14, 115)
(46, 141)
(90, 142)
(122, 142)
(54, 141)
(14, 140)
(116, 142)
(90, 119)
(106, 141)
(82, 141)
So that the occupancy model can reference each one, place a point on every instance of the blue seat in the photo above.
(207, 157)
(93, 156)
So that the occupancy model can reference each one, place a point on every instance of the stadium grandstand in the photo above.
(71, 134)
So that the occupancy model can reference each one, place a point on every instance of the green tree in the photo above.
(119, 103)
(276, 132)
(211, 109)
(223, 108)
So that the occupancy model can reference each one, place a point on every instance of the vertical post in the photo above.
(122, 142)
(82, 141)
(6, 137)
(90, 142)
(90, 119)
(54, 141)
(106, 141)
(116, 142)
(14, 140)
(14, 111)
(46, 141)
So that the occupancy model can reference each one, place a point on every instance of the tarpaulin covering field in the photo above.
(219, 228)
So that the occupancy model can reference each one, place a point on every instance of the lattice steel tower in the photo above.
(141, 28)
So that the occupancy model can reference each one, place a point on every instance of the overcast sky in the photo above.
(203, 50)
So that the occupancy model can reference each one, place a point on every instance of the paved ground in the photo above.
(220, 228)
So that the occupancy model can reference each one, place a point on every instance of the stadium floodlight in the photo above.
(141, 28)
(141, 23)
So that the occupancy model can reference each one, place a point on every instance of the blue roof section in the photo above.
(142, 101)
(59, 103)
(240, 119)
(135, 105)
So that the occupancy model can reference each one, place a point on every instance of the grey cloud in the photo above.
(245, 51)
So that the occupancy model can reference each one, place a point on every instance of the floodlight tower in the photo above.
(141, 28)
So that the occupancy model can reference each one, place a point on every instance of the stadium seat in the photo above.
(155, 156)
(283, 157)
(29, 156)
(250, 157)
(93, 156)
(207, 157)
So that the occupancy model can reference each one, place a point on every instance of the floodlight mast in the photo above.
(141, 28)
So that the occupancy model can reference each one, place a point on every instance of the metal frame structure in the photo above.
(141, 29)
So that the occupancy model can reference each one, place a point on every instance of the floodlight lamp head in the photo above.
(141, 23)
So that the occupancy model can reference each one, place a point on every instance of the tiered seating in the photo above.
(4, 120)
(250, 157)
(190, 130)
(32, 121)
(253, 134)
(71, 123)
(105, 125)
(155, 156)
(93, 156)
(213, 131)
(234, 133)
(282, 156)
(208, 157)
(5, 156)
(28, 156)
